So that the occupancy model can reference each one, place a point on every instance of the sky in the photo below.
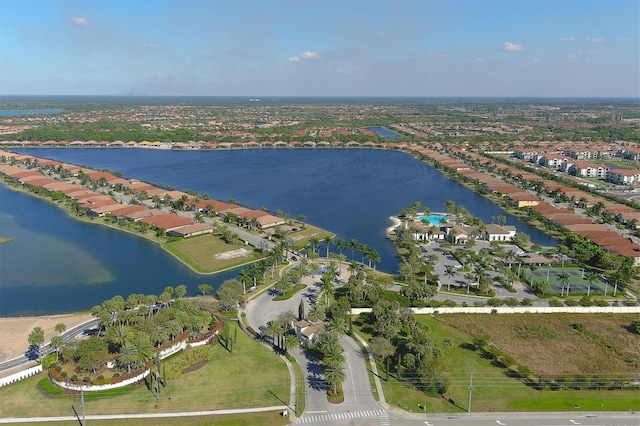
(253, 48)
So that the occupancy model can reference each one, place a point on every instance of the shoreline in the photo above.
(146, 237)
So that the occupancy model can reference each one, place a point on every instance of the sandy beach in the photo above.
(15, 331)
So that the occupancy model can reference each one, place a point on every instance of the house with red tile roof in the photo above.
(191, 230)
(168, 222)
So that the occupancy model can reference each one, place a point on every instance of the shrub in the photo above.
(526, 302)
(495, 302)
(116, 374)
(64, 374)
(511, 301)
(100, 377)
(555, 303)
(586, 301)
(579, 326)
(74, 377)
(86, 379)
(49, 360)
(572, 302)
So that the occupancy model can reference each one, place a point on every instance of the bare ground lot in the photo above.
(550, 344)
(15, 331)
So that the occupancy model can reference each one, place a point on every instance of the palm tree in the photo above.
(327, 241)
(564, 279)
(56, 343)
(60, 328)
(334, 375)
(120, 334)
(272, 329)
(173, 328)
(316, 313)
(128, 355)
(469, 277)
(327, 286)
(353, 245)
(313, 242)
(144, 348)
(290, 342)
(244, 276)
(158, 334)
(338, 325)
(341, 245)
(450, 272)
(591, 278)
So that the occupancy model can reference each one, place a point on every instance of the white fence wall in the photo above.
(16, 377)
(519, 310)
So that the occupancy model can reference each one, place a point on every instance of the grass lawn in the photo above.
(248, 377)
(289, 294)
(493, 389)
(200, 253)
(249, 419)
(302, 236)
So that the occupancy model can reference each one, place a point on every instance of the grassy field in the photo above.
(230, 380)
(493, 387)
(203, 253)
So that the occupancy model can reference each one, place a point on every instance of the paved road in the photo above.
(70, 334)
(359, 405)
(522, 419)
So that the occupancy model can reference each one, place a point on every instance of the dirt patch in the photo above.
(15, 331)
(233, 254)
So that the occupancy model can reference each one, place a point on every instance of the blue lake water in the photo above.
(349, 192)
(12, 112)
(385, 133)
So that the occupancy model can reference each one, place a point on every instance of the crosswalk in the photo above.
(322, 418)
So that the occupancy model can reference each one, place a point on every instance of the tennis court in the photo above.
(576, 280)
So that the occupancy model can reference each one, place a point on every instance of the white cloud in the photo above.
(596, 40)
(150, 46)
(512, 47)
(438, 55)
(304, 56)
(478, 60)
(383, 34)
(537, 60)
(571, 38)
(79, 20)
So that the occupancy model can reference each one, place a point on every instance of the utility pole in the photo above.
(84, 420)
(470, 389)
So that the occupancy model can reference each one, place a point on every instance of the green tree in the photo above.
(56, 343)
(91, 353)
(229, 294)
(335, 376)
(60, 328)
(204, 288)
(36, 340)
(181, 290)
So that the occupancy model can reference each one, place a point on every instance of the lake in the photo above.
(349, 192)
(384, 132)
(13, 112)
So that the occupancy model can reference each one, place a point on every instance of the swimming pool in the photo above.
(434, 219)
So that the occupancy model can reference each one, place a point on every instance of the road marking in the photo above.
(384, 417)
(500, 423)
(353, 383)
(573, 422)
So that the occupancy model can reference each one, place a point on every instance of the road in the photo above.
(359, 406)
(70, 334)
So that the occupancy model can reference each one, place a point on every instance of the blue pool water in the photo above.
(435, 219)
